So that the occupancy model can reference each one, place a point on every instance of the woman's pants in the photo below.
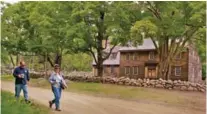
(57, 93)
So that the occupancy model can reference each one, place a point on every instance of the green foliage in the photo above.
(9, 105)
(141, 28)
(169, 22)
(200, 43)
(69, 27)
(88, 26)
(78, 62)
(14, 33)
(7, 77)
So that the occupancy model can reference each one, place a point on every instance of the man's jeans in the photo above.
(57, 93)
(18, 88)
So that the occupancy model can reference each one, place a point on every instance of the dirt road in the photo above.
(73, 103)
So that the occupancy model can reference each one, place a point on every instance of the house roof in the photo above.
(147, 45)
(110, 61)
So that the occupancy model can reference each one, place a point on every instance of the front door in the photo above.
(151, 73)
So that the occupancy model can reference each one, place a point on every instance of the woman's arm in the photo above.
(51, 79)
(63, 80)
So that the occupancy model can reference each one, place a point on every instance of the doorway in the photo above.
(150, 72)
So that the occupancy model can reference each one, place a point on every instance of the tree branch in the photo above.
(188, 36)
(154, 42)
(191, 25)
(154, 11)
(106, 43)
(109, 52)
(93, 54)
(50, 61)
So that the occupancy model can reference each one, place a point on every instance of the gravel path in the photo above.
(73, 103)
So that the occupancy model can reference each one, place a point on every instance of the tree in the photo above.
(200, 43)
(171, 26)
(96, 22)
(51, 24)
(13, 33)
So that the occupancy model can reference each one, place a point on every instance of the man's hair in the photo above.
(21, 62)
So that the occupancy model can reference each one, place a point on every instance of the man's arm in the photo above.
(15, 73)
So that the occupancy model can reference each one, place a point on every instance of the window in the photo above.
(127, 56)
(127, 70)
(178, 56)
(151, 55)
(112, 69)
(178, 71)
(135, 70)
(136, 56)
(131, 56)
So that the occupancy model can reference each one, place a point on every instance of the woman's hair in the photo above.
(56, 66)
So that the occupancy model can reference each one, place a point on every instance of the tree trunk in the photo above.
(45, 65)
(164, 60)
(99, 70)
(58, 59)
(100, 48)
(169, 71)
(32, 63)
(17, 60)
(100, 59)
(50, 61)
(12, 60)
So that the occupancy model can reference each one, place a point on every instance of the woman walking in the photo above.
(57, 83)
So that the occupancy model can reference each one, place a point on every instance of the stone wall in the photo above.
(165, 84)
(160, 83)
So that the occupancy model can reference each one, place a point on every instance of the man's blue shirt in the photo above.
(20, 70)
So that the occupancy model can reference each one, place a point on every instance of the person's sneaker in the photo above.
(57, 109)
(27, 101)
(50, 104)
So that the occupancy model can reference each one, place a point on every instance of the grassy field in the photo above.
(127, 92)
(9, 105)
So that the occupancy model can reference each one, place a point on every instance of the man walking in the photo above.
(22, 78)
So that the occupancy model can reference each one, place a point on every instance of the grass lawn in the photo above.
(126, 92)
(9, 105)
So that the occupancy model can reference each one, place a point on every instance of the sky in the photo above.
(11, 1)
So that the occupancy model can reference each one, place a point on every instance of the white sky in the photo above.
(11, 1)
